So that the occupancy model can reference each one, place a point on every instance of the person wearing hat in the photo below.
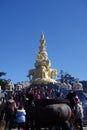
(79, 114)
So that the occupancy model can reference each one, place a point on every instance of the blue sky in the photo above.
(64, 23)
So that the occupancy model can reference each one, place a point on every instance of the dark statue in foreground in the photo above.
(48, 114)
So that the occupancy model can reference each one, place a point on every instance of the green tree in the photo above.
(67, 78)
(3, 82)
(2, 74)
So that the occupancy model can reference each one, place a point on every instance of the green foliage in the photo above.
(2, 74)
(67, 78)
(3, 82)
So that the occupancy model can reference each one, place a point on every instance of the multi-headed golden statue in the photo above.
(43, 73)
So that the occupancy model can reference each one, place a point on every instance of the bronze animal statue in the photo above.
(50, 114)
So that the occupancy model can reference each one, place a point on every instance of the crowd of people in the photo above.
(18, 104)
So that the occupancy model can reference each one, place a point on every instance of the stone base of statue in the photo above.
(43, 81)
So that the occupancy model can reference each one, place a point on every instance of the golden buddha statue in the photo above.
(43, 73)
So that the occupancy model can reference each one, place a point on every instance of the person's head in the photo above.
(77, 100)
(21, 107)
(74, 94)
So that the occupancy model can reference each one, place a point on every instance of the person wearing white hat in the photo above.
(79, 114)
